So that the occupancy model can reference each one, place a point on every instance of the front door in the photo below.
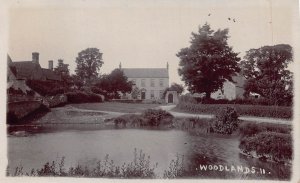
(143, 95)
(170, 98)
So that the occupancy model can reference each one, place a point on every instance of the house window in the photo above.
(161, 92)
(152, 93)
(161, 82)
(152, 83)
(143, 83)
(133, 81)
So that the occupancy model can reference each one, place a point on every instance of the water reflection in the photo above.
(34, 146)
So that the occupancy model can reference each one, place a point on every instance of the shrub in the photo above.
(83, 97)
(271, 145)
(156, 117)
(226, 121)
(129, 120)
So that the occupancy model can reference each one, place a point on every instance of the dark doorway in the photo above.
(170, 98)
(143, 95)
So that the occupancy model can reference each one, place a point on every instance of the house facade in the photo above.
(231, 90)
(150, 82)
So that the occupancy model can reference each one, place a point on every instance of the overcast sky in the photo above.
(141, 33)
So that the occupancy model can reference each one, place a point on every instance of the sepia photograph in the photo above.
(197, 90)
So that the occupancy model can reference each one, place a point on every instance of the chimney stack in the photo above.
(60, 62)
(35, 57)
(50, 65)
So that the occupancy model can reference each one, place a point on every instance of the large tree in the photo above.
(114, 83)
(88, 63)
(208, 62)
(174, 87)
(267, 73)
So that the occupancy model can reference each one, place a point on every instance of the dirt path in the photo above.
(246, 118)
(73, 115)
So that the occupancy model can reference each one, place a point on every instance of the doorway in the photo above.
(143, 95)
(170, 98)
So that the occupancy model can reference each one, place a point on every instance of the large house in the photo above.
(151, 82)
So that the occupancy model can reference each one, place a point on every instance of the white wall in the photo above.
(156, 88)
(229, 92)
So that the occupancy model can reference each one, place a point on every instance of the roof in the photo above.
(146, 72)
(51, 75)
(24, 69)
(31, 70)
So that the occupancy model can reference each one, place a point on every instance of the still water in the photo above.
(33, 150)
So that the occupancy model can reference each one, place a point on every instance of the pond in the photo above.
(85, 147)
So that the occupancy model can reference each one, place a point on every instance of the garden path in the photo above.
(245, 118)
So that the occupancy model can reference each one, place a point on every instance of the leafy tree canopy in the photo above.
(114, 83)
(208, 62)
(88, 63)
(174, 87)
(267, 73)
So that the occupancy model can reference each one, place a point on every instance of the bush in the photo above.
(127, 120)
(271, 145)
(226, 121)
(83, 97)
(156, 117)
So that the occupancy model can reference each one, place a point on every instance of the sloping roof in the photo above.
(51, 75)
(24, 69)
(146, 72)
(31, 70)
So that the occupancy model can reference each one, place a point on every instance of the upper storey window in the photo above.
(161, 82)
(143, 82)
(152, 82)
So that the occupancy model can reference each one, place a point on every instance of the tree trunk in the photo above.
(207, 95)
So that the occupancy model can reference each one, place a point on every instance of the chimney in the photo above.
(35, 57)
(60, 61)
(120, 66)
(50, 65)
(167, 65)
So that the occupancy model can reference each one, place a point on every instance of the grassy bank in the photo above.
(243, 110)
(267, 141)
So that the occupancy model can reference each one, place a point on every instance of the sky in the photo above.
(141, 34)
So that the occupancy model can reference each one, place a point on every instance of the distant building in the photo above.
(31, 70)
(231, 90)
(151, 82)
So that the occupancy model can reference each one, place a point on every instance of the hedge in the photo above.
(243, 110)
(83, 97)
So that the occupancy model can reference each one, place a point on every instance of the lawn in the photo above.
(116, 107)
